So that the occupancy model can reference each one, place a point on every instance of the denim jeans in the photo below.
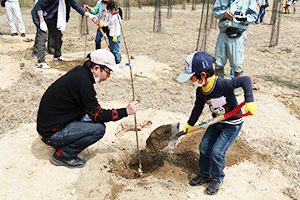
(215, 142)
(75, 137)
(99, 36)
(115, 48)
(261, 14)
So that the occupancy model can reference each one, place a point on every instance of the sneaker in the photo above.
(23, 35)
(43, 66)
(199, 180)
(1, 34)
(256, 23)
(33, 53)
(213, 187)
(66, 161)
(13, 34)
(60, 59)
(51, 53)
(237, 91)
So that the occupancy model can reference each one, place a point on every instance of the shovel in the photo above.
(100, 28)
(175, 135)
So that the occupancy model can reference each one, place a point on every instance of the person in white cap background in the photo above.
(68, 100)
(12, 7)
(218, 94)
(52, 16)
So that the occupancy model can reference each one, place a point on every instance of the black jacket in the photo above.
(49, 6)
(68, 99)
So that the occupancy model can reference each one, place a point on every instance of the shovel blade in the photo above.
(173, 140)
(161, 136)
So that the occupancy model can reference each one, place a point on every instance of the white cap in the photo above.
(105, 57)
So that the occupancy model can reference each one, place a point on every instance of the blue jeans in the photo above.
(75, 137)
(115, 48)
(99, 36)
(261, 14)
(215, 142)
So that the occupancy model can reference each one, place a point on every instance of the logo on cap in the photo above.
(204, 64)
(187, 65)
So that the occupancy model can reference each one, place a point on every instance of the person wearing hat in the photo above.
(218, 94)
(235, 17)
(68, 100)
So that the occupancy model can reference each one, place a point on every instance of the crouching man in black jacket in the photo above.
(72, 98)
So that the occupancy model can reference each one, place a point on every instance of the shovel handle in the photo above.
(218, 119)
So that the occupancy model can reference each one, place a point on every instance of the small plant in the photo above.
(138, 99)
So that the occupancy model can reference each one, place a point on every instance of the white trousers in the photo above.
(13, 8)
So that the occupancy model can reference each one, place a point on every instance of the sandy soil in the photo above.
(263, 162)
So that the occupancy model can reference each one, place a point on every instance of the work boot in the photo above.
(220, 72)
(67, 161)
(199, 180)
(213, 187)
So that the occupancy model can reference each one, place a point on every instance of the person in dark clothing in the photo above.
(69, 100)
(53, 15)
(219, 95)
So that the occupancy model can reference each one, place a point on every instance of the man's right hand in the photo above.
(87, 7)
(132, 108)
(228, 14)
(43, 26)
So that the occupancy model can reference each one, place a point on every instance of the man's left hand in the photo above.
(132, 108)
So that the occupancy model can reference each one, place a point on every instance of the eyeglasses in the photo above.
(108, 72)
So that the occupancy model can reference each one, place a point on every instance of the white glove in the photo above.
(43, 26)
(94, 18)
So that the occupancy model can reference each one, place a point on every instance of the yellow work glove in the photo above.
(101, 25)
(185, 129)
(115, 38)
(251, 107)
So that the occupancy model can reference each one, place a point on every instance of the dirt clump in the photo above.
(160, 137)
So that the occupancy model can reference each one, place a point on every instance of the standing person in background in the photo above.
(104, 16)
(50, 43)
(114, 25)
(235, 17)
(294, 6)
(12, 7)
(53, 14)
(262, 4)
(288, 3)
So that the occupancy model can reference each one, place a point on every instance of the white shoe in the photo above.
(60, 58)
(43, 66)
